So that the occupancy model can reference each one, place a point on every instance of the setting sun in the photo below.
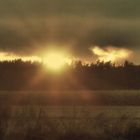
(56, 60)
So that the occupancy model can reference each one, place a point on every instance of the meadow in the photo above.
(75, 115)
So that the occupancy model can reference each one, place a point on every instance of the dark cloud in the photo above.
(112, 8)
(26, 25)
(27, 36)
(114, 36)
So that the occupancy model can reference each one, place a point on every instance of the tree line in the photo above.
(19, 75)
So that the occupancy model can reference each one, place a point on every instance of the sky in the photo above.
(29, 27)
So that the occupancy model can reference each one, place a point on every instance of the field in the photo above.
(85, 115)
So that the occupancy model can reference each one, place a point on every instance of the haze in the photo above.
(28, 28)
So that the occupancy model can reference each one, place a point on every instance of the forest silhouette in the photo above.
(19, 75)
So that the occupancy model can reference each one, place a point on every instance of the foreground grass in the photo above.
(31, 123)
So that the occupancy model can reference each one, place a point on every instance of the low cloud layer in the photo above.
(6, 56)
(111, 54)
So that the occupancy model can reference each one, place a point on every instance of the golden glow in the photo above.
(5, 56)
(111, 53)
(55, 60)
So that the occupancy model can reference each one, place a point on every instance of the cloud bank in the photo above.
(111, 54)
(26, 27)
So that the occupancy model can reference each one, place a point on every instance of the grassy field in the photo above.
(69, 116)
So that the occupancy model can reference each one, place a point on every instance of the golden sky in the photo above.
(28, 27)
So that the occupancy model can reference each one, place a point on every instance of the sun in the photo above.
(55, 60)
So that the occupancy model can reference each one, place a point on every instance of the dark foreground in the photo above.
(30, 121)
